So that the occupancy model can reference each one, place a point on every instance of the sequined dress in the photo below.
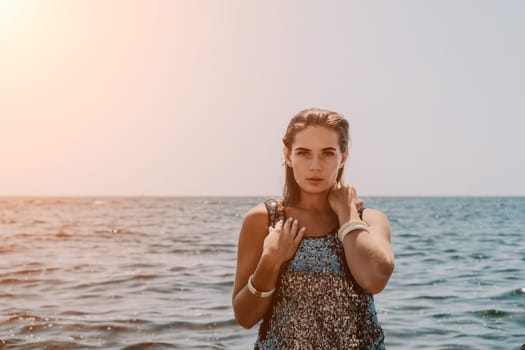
(317, 303)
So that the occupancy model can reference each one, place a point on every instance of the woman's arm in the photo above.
(369, 254)
(261, 253)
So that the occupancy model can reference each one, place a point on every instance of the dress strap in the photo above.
(360, 212)
(275, 211)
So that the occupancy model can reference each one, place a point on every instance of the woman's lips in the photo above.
(314, 180)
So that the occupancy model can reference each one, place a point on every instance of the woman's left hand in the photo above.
(344, 202)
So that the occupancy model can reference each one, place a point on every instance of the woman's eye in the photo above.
(328, 154)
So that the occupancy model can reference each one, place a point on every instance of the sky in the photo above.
(192, 98)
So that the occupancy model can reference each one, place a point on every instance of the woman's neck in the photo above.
(314, 202)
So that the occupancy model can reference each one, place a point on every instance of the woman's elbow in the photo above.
(242, 318)
(387, 268)
(384, 271)
(243, 321)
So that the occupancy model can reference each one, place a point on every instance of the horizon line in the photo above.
(252, 196)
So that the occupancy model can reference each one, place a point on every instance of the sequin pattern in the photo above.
(317, 303)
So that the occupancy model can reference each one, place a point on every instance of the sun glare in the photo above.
(9, 9)
(16, 16)
(21, 30)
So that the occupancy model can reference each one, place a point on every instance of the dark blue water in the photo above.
(156, 273)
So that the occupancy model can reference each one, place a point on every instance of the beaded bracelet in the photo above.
(350, 226)
(256, 292)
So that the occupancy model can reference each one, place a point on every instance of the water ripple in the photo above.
(157, 273)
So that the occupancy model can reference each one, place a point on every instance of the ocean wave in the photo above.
(150, 346)
(157, 273)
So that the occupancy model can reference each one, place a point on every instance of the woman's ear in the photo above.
(286, 154)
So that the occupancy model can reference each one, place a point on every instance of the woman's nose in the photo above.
(315, 163)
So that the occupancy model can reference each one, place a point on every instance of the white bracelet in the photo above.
(256, 292)
(346, 224)
(346, 229)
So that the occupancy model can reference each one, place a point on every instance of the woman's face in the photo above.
(316, 158)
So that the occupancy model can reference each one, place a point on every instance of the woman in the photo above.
(309, 264)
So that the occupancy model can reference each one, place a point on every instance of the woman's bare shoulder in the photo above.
(375, 217)
(256, 211)
(255, 223)
(374, 213)
(258, 215)
(378, 219)
(262, 208)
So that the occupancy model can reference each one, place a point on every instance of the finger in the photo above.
(293, 230)
(349, 195)
(354, 194)
(287, 224)
(300, 235)
(279, 225)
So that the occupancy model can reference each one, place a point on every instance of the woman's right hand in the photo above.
(344, 202)
(282, 240)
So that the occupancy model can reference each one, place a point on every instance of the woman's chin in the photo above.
(314, 189)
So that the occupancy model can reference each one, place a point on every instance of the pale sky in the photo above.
(192, 97)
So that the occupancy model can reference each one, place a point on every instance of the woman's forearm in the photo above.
(249, 308)
(369, 260)
(369, 257)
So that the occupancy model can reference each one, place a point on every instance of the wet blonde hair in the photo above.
(302, 120)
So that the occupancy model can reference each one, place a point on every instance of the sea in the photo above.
(157, 272)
